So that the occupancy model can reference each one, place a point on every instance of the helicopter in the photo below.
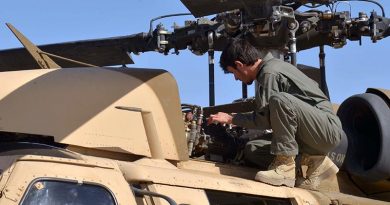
(161, 40)
(337, 67)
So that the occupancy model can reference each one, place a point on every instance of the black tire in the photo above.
(366, 122)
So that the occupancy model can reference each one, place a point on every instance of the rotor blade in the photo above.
(100, 52)
(200, 8)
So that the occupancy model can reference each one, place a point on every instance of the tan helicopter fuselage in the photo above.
(114, 129)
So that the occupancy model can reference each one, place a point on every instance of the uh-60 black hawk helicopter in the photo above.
(125, 125)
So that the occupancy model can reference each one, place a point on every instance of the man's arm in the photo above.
(253, 120)
(259, 118)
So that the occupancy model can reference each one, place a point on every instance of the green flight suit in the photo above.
(295, 108)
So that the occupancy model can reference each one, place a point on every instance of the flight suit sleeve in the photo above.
(269, 84)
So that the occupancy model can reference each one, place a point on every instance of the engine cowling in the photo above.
(366, 123)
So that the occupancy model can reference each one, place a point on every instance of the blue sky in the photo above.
(350, 70)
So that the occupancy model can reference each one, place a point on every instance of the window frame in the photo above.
(32, 182)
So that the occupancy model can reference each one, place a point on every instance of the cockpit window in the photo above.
(50, 192)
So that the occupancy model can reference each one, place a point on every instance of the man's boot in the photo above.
(280, 172)
(318, 168)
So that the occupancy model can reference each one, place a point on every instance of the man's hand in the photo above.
(220, 117)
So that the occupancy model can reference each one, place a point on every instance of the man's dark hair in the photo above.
(241, 50)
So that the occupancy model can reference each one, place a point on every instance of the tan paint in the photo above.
(203, 180)
(150, 200)
(152, 135)
(103, 153)
(183, 185)
(212, 180)
(77, 107)
(155, 163)
(181, 195)
(92, 170)
(6, 167)
(219, 168)
(349, 199)
(340, 184)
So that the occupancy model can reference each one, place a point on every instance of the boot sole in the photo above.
(276, 182)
